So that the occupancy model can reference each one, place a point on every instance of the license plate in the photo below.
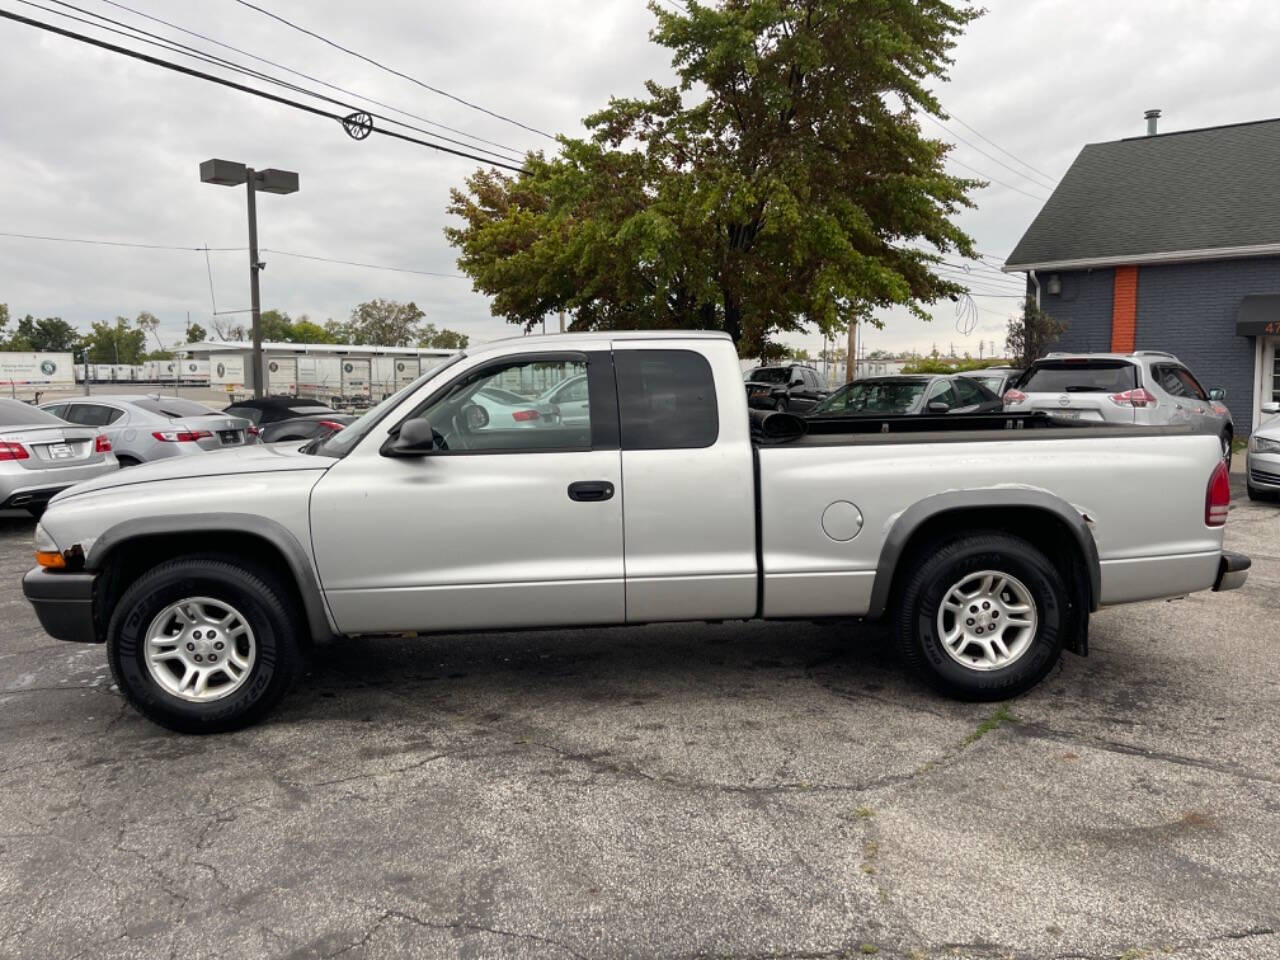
(1067, 414)
(61, 451)
(229, 436)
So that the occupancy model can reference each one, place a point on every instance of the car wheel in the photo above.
(1260, 496)
(982, 617)
(780, 405)
(1226, 448)
(203, 644)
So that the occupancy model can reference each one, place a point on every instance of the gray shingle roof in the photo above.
(1189, 190)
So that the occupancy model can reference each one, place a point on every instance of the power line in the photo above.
(392, 70)
(306, 76)
(179, 68)
(993, 159)
(206, 250)
(980, 134)
(1002, 183)
(182, 49)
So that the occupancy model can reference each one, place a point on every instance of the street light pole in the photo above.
(255, 300)
(229, 174)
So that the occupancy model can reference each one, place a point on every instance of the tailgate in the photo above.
(1078, 405)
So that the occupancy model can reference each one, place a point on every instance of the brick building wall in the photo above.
(1188, 309)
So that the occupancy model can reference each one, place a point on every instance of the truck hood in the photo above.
(258, 458)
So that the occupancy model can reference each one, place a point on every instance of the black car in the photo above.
(276, 419)
(791, 387)
(909, 394)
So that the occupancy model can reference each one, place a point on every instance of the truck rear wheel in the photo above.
(982, 617)
(203, 645)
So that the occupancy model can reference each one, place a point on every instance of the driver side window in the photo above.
(507, 408)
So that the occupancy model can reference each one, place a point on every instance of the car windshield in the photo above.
(341, 443)
(874, 396)
(174, 407)
(768, 375)
(1080, 376)
(991, 383)
(15, 413)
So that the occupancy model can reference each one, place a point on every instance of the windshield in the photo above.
(341, 443)
(173, 408)
(994, 384)
(1075, 376)
(768, 375)
(874, 396)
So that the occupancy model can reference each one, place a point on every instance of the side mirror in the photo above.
(1218, 393)
(1271, 408)
(475, 416)
(938, 406)
(416, 439)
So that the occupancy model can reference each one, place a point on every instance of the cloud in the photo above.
(98, 146)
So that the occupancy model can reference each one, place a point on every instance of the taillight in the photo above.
(101, 444)
(1014, 396)
(331, 425)
(13, 451)
(1217, 499)
(253, 431)
(1134, 398)
(181, 436)
(525, 415)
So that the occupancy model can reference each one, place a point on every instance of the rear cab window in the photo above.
(667, 399)
(1080, 376)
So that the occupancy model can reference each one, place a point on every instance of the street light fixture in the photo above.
(226, 173)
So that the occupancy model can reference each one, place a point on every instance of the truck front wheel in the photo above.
(982, 617)
(202, 644)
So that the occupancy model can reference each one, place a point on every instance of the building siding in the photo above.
(1188, 309)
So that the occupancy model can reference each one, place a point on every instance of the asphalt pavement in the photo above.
(735, 790)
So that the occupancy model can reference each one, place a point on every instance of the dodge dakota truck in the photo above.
(988, 540)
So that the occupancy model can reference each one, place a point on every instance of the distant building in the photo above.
(1169, 242)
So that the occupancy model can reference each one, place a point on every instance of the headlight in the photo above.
(44, 542)
(1263, 445)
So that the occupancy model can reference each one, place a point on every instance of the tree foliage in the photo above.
(444, 339)
(196, 333)
(785, 183)
(950, 365)
(46, 335)
(121, 342)
(1030, 335)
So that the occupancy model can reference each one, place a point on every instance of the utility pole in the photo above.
(851, 357)
(562, 321)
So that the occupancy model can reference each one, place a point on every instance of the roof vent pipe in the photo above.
(1152, 116)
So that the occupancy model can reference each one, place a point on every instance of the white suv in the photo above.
(1148, 387)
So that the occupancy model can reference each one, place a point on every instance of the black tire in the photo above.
(126, 461)
(1259, 496)
(1226, 439)
(780, 405)
(264, 604)
(942, 564)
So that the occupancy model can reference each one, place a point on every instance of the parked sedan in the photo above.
(279, 419)
(145, 428)
(909, 394)
(506, 409)
(1262, 462)
(566, 402)
(41, 455)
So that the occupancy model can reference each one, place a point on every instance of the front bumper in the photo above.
(1233, 570)
(63, 603)
(1263, 470)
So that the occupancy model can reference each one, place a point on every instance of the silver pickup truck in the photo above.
(987, 540)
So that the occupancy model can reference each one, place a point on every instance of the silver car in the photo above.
(40, 455)
(1148, 387)
(145, 428)
(1262, 462)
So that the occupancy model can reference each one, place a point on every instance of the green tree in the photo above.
(1031, 334)
(445, 339)
(149, 324)
(196, 333)
(277, 326)
(47, 335)
(121, 342)
(383, 323)
(784, 183)
(306, 331)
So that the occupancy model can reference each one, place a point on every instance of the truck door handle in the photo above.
(589, 490)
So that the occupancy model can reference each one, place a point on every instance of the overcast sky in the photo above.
(96, 146)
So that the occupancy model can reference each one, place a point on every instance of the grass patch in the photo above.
(869, 948)
(993, 722)
(863, 812)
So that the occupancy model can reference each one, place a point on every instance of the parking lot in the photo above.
(759, 790)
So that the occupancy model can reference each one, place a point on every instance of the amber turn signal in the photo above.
(51, 559)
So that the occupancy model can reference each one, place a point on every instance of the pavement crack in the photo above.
(388, 916)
